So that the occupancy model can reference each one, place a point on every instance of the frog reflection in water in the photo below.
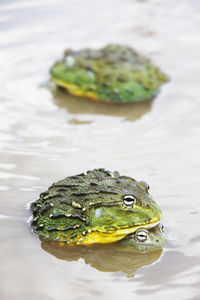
(143, 239)
(139, 249)
(98, 206)
(85, 113)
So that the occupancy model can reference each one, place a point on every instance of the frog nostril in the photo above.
(147, 205)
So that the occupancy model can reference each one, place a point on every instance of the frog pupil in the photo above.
(141, 236)
(129, 200)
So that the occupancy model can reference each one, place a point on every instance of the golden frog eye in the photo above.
(141, 236)
(129, 200)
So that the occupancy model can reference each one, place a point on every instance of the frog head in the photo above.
(121, 210)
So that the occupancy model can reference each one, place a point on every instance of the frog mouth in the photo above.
(74, 89)
(96, 236)
(125, 231)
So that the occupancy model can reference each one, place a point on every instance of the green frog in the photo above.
(114, 73)
(97, 206)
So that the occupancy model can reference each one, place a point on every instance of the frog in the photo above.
(115, 73)
(144, 239)
(97, 206)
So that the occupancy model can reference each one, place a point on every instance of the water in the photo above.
(46, 137)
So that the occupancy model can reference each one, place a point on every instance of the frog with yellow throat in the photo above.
(115, 73)
(98, 206)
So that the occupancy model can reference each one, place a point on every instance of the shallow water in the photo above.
(45, 137)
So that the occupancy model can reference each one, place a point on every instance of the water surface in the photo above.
(45, 138)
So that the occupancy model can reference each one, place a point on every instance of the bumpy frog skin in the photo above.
(143, 239)
(114, 73)
(98, 206)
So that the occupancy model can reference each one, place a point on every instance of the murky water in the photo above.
(46, 136)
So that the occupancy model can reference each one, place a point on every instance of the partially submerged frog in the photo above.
(114, 73)
(98, 206)
(144, 239)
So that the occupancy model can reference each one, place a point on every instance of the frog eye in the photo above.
(141, 236)
(129, 200)
(143, 185)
